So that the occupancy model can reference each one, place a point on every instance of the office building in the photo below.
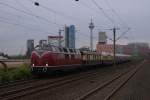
(30, 47)
(102, 38)
(70, 36)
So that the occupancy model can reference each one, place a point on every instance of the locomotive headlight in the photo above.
(32, 64)
(46, 64)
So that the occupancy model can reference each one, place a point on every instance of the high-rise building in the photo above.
(70, 36)
(102, 38)
(30, 47)
(66, 36)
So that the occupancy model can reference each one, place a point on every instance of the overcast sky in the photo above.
(21, 20)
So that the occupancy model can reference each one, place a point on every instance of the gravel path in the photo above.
(138, 87)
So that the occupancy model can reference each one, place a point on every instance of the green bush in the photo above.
(22, 72)
(5, 76)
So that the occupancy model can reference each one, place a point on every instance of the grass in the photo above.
(22, 72)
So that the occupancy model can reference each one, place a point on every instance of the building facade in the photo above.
(70, 36)
(30, 47)
(134, 49)
(102, 38)
(66, 36)
(138, 49)
(42, 43)
(54, 40)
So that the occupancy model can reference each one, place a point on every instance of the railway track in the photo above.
(17, 82)
(123, 78)
(28, 90)
(35, 87)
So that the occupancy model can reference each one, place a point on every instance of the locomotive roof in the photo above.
(54, 48)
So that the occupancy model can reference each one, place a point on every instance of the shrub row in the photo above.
(22, 72)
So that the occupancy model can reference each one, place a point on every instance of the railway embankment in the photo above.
(78, 86)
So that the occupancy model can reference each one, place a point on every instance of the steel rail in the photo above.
(14, 94)
(124, 82)
(94, 90)
(16, 83)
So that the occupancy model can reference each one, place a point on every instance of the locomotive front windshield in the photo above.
(44, 47)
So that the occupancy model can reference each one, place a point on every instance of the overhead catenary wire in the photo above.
(102, 10)
(29, 28)
(50, 10)
(22, 11)
(35, 14)
(121, 20)
(55, 12)
(88, 7)
(92, 9)
(29, 11)
(25, 27)
(30, 14)
(123, 34)
(109, 18)
(20, 25)
(116, 14)
(24, 7)
(16, 15)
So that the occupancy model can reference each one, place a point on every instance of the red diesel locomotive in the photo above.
(49, 58)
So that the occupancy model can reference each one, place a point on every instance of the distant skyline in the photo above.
(21, 20)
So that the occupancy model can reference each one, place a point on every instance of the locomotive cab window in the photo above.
(71, 50)
(49, 48)
(54, 49)
(65, 50)
(57, 49)
(74, 50)
(61, 49)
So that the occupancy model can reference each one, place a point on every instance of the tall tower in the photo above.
(91, 27)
